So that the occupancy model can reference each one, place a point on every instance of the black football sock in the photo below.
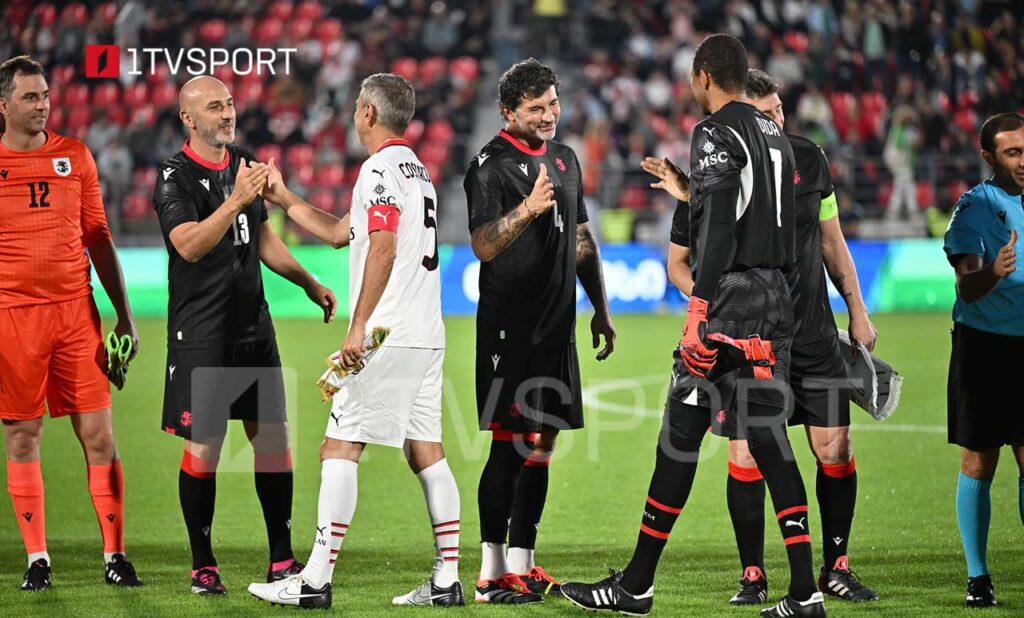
(197, 489)
(744, 492)
(497, 487)
(528, 505)
(275, 493)
(837, 496)
(674, 470)
(774, 456)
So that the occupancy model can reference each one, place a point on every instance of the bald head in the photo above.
(208, 110)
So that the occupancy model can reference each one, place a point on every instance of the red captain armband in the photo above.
(383, 218)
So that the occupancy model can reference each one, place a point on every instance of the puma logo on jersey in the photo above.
(495, 358)
(205, 183)
(480, 158)
(382, 215)
(378, 172)
(168, 172)
(709, 130)
(523, 167)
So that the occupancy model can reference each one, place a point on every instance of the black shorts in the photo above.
(983, 367)
(524, 388)
(751, 302)
(821, 388)
(206, 387)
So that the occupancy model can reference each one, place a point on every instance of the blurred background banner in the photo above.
(899, 275)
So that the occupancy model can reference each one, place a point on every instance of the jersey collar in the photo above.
(210, 165)
(533, 152)
(393, 142)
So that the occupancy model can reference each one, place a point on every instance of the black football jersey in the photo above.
(218, 299)
(680, 234)
(738, 147)
(528, 291)
(812, 183)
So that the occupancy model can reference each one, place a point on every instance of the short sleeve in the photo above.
(173, 203)
(681, 225)
(581, 206)
(964, 234)
(718, 156)
(380, 187)
(484, 195)
(93, 217)
(826, 175)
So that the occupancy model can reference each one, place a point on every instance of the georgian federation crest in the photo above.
(62, 165)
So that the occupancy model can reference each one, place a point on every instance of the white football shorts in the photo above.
(396, 397)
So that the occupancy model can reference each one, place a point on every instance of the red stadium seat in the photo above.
(136, 206)
(268, 31)
(107, 13)
(76, 95)
(47, 15)
(465, 68)
(144, 114)
(406, 67)
(160, 73)
(117, 115)
(429, 152)
(213, 31)
(74, 14)
(145, 178)
(249, 92)
(165, 95)
(79, 119)
(925, 194)
(266, 152)
(282, 9)
(331, 176)
(323, 199)
(300, 154)
(440, 132)
(884, 193)
(308, 9)
(328, 30)
(300, 29)
(106, 94)
(55, 121)
(136, 94)
(304, 174)
(61, 75)
(432, 69)
(414, 132)
(352, 174)
(435, 170)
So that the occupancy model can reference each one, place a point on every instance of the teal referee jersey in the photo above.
(980, 226)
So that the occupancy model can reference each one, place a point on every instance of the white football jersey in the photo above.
(411, 303)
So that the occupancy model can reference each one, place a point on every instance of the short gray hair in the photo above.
(393, 97)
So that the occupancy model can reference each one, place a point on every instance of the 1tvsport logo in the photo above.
(107, 61)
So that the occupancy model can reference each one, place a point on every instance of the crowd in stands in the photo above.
(302, 119)
(895, 91)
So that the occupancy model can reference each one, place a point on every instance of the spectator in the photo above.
(900, 157)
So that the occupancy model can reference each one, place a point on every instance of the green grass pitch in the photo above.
(905, 542)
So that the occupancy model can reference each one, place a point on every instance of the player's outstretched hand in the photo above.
(324, 298)
(1006, 261)
(249, 182)
(542, 198)
(601, 325)
(127, 327)
(672, 179)
(274, 190)
(353, 350)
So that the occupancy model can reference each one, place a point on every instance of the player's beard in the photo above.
(215, 137)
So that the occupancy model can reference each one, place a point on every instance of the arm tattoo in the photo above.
(500, 233)
(585, 248)
(840, 282)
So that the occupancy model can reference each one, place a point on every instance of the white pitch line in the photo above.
(592, 399)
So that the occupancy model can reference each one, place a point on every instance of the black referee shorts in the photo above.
(821, 388)
(983, 367)
(206, 387)
(751, 302)
(526, 389)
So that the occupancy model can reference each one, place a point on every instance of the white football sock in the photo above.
(493, 564)
(520, 560)
(37, 555)
(443, 505)
(337, 504)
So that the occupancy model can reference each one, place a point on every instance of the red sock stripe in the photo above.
(663, 507)
(803, 538)
(507, 435)
(453, 559)
(198, 467)
(446, 533)
(334, 552)
(744, 473)
(448, 548)
(537, 462)
(838, 471)
(337, 525)
(340, 535)
(447, 523)
(333, 561)
(651, 531)
(796, 509)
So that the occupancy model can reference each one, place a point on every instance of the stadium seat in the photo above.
(136, 206)
(158, 74)
(55, 121)
(323, 199)
(432, 69)
(406, 67)
(106, 94)
(213, 31)
(74, 14)
(465, 68)
(107, 13)
(136, 94)
(300, 29)
(144, 114)
(117, 114)
(440, 132)
(61, 75)
(429, 152)
(79, 118)
(925, 194)
(76, 95)
(414, 132)
(308, 9)
(268, 31)
(328, 30)
(144, 178)
(270, 151)
(300, 154)
(164, 95)
(281, 9)
(47, 15)
(330, 176)
(304, 174)
(249, 92)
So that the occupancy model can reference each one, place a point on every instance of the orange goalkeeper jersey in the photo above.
(51, 211)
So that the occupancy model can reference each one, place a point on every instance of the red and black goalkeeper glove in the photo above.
(753, 351)
(698, 358)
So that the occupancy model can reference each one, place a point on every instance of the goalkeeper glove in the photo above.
(753, 350)
(698, 358)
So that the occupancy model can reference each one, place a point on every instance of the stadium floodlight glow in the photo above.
(106, 60)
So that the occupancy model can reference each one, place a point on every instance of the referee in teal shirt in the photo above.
(988, 339)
